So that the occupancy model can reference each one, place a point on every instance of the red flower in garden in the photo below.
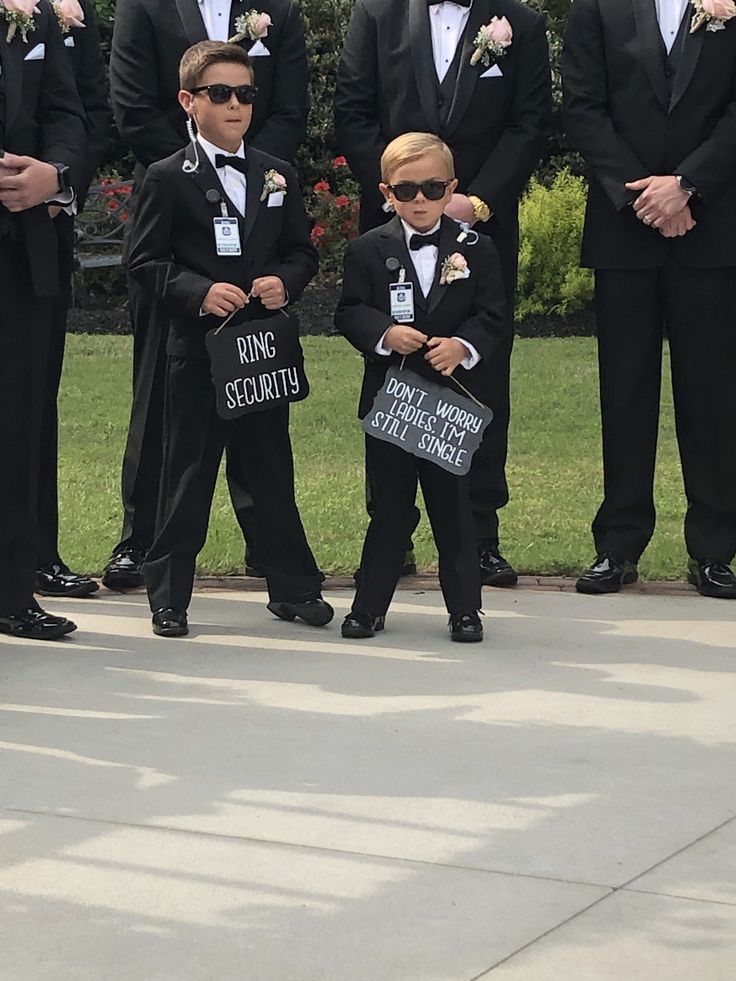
(321, 187)
(342, 201)
(339, 162)
(112, 205)
(317, 232)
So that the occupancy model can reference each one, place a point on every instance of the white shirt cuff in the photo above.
(381, 348)
(473, 357)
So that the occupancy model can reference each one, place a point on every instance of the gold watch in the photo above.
(480, 209)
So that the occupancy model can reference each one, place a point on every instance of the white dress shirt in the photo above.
(669, 15)
(447, 21)
(233, 182)
(425, 265)
(216, 17)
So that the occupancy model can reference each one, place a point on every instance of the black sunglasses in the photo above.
(408, 190)
(220, 94)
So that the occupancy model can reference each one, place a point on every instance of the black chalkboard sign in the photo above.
(428, 420)
(256, 364)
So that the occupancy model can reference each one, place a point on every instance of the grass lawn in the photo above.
(554, 462)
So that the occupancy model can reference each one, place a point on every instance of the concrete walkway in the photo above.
(267, 802)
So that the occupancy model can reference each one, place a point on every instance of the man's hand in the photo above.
(270, 291)
(661, 198)
(461, 209)
(679, 225)
(223, 298)
(445, 353)
(404, 339)
(26, 182)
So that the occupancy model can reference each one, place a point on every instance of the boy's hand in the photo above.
(26, 182)
(445, 354)
(223, 298)
(270, 291)
(404, 339)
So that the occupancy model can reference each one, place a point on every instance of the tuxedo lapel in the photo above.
(691, 49)
(649, 40)
(206, 179)
(420, 41)
(12, 63)
(191, 19)
(467, 78)
(393, 246)
(448, 245)
(255, 179)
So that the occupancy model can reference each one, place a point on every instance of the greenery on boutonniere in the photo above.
(253, 25)
(712, 13)
(19, 16)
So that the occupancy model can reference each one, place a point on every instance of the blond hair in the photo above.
(412, 146)
(201, 56)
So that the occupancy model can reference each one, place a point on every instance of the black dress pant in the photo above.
(395, 516)
(141, 472)
(696, 310)
(24, 331)
(48, 490)
(258, 450)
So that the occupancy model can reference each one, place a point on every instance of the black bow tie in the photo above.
(459, 3)
(417, 242)
(237, 163)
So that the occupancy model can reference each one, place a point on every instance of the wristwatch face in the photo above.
(687, 185)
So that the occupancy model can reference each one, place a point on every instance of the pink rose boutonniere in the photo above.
(69, 14)
(713, 13)
(253, 25)
(19, 15)
(274, 183)
(492, 40)
(454, 267)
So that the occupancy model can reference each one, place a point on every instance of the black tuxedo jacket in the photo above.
(621, 116)
(387, 85)
(173, 246)
(90, 73)
(40, 116)
(472, 308)
(149, 38)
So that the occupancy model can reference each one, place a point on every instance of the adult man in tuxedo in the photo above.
(82, 42)
(42, 135)
(650, 96)
(406, 66)
(149, 39)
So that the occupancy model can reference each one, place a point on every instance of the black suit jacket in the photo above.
(620, 114)
(496, 129)
(43, 119)
(472, 308)
(90, 73)
(173, 245)
(149, 38)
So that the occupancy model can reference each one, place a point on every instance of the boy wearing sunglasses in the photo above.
(264, 262)
(455, 328)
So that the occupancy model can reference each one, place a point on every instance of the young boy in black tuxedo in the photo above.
(456, 325)
(175, 254)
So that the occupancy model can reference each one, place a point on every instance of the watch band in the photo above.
(687, 186)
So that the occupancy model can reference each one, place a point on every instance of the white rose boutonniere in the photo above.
(19, 15)
(492, 40)
(254, 25)
(68, 13)
(712, 13)
(454, 267)
(274, 183)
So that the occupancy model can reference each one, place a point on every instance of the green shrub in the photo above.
(551, 225)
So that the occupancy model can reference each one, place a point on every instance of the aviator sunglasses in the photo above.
(220, 93)
(433, 190)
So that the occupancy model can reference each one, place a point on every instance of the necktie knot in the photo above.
(417, 242)
(237, 163)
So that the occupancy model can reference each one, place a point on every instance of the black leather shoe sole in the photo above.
(711, 589)
(170, 630)
(353, 630)
(466, 636)
(83, 588)
(592, 586)
(55, 631)
(120, 581)
(316, 615)
(503, 578)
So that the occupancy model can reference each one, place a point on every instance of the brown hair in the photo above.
(411, 146)
(197, 59)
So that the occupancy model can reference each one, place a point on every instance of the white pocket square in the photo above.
(493, 72)
(37, 53)
(259, 50)
(69, 41)
(275, 199)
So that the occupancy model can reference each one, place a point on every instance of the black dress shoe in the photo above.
(315, 612)
(494, 569)
(359, 625)
(55, 579)
(34, 623)
(607, 575)
(169, 622)
(125, 568)
(712, 577)
(465, 628)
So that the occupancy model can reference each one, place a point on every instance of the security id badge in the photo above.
(402, 302)
(227, 236)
